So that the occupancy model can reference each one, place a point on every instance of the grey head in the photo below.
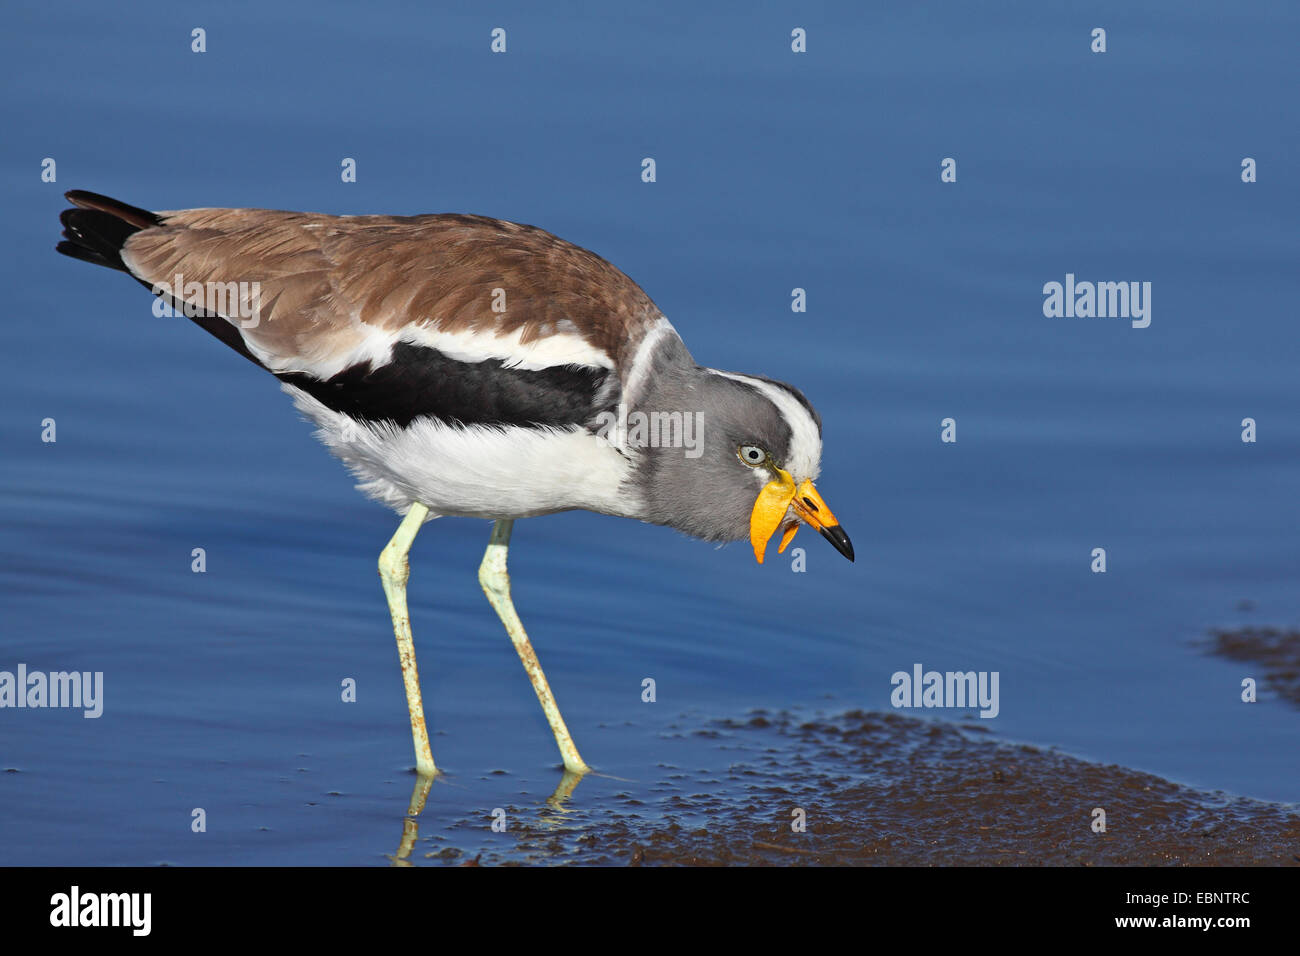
(749, 446)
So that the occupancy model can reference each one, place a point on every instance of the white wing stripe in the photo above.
(558, 348)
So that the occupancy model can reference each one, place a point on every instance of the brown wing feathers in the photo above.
(326, 282)
(97, 231)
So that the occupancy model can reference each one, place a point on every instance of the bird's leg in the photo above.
(494, 577)
(394, 570)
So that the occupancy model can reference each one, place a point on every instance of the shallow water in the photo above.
(222, 689)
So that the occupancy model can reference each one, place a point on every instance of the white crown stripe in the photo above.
(805, 456)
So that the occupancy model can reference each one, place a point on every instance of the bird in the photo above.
(465, 366)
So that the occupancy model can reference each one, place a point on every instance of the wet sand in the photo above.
(883, 789)
(1275, 651)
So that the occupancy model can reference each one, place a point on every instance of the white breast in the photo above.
(477, 471)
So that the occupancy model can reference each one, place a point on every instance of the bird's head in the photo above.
(750, 468)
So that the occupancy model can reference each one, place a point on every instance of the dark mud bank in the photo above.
(888, 790)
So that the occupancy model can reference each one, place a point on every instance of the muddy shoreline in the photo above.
(883, 789)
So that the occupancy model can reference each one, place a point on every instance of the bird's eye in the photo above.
(752, 455)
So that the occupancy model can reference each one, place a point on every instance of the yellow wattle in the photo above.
(790, 529)
(768, 511)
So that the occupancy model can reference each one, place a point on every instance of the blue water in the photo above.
(775, 171)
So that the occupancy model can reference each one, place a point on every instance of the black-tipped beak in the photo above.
(836, 536)
(811, 509)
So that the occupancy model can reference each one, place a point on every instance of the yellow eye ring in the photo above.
(752, 455)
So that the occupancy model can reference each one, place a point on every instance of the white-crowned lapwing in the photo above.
(467, 366)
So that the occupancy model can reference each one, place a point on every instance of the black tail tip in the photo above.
(97, 227)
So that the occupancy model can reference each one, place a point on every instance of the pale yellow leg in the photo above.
(494, 577)
(394, 569)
